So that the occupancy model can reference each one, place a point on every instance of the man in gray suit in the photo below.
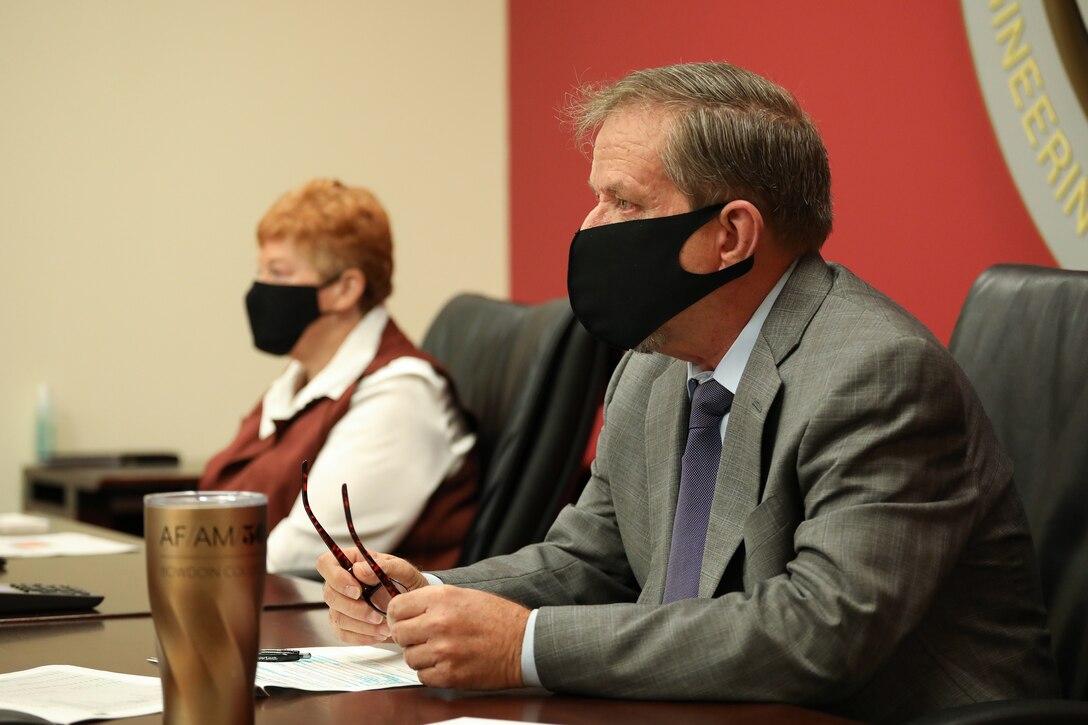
(837, 527)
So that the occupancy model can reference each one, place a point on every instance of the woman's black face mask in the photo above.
(625, 281)
(279, 314)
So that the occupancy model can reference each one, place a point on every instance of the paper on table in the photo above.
(339, 669)
(17, 523)
(68, 694)
(62, 544)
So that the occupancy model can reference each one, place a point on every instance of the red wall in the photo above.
(923, 200)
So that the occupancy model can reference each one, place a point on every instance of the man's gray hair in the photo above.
(735, 135)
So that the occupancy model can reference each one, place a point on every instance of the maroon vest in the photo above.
(273, 465)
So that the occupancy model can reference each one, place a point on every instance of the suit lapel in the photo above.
(740, 469)
(739, 474)
(666, 435)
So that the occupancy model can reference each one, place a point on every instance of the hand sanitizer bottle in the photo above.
(43, 425)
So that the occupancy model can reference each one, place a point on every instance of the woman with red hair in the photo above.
(357, 399)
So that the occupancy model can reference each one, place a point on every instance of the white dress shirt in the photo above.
(401, 437)
(728, 373)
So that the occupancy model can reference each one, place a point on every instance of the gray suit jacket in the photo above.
(867, 552)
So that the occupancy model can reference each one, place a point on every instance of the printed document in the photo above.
(339, 669)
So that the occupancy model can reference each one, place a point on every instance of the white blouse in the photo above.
(401, 437)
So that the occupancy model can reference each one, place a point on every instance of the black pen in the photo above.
(281, 655)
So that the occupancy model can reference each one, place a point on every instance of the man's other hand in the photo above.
(460, 638)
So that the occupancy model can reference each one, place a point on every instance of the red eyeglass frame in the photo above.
(391, 586)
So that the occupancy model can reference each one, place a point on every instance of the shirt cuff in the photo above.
(529, 675)
(431, 578)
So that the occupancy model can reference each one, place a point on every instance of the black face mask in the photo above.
(279, 314)
(625, 280)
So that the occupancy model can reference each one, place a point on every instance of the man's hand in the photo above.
(460, 638)
(353, 620)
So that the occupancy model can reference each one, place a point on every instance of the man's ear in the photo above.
(740, 232)
(347, 290)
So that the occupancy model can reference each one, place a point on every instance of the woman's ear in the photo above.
(347, 290)
(740, 232)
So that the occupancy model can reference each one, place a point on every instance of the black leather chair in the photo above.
(1022, 339)
(532, 378)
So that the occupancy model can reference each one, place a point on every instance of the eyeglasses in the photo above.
(377, 595)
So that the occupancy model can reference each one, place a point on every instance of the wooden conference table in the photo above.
(122, 645)
(120, 636)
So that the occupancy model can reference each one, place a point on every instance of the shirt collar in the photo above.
(355, 353)
(731, 368)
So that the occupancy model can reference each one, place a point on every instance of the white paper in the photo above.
(63, 544)
(16, 523)
(339, 669)
(68, 694)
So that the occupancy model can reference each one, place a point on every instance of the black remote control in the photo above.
(30, 598)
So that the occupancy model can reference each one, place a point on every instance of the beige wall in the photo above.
(140, 141)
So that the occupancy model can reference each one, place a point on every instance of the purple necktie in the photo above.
(710, 401)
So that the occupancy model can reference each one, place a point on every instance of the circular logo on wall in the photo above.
(1032, 65)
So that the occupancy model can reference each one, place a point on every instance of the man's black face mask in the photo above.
(625, 281)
